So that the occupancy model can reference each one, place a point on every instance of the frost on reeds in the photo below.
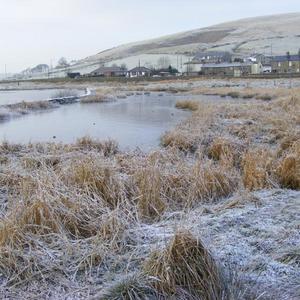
(185, 266)
(40, 231)
(150, 205)
(97, 179)
(72, 212)
(257, 169)
(30, 106)
(178, 140)
(289, 167)
(109, 147)
(135, 287)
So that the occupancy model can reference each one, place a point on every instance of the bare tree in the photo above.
(62, 63)
(123, 66)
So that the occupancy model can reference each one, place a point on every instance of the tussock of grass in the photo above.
(257, 167)
(185, 264)
(133, 287)
(289, 167)
(187, 104)
(226, 151)
(211, 182)
(149, 202)
(97, 179)
(109, 147)
(178, 140)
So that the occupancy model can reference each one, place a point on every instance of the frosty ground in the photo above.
(213, 214)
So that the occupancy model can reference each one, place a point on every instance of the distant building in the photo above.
(164, 72)
(139, 72)
(194, 67)
(286, 64)
(267, 69)
(73, 75)
(231, 69)
(211, 57)
(109, 72)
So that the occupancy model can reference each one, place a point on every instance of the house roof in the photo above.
(211, 54)
(226, 65)
(140, 69)
(283, 58)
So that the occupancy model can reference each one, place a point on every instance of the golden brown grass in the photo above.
(150, 205)
(71, 210)
(187, 104)
(289, 167)
(185, 264)
(30, 106)
(257, 168)
(109, 147)
(178, 140)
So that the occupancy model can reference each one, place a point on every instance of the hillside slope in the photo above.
(243, 36)
(275, 34)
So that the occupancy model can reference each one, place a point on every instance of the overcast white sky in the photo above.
(38, 31)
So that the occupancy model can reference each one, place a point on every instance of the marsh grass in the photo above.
(72, 212)
(187, 104)
(31, 106)
(185, 264)
(95, 99)
(109, 147)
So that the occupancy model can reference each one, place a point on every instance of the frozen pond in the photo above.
(137, 121)
(16, 96)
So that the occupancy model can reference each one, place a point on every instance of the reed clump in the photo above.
(150, 205)
(185, 264)
(30, 106)
(179, 140)
(288, 170)
(187, 104)
(257, 169)
(97, 179)
(109, 147)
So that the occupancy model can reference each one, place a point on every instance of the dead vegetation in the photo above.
(30, 106)
(186, 266)
(72, 212)
(187, 104)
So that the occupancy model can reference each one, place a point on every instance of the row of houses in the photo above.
(115, 71)
(230, 66)
(214, 63)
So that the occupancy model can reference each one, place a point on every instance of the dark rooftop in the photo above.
(283, 58)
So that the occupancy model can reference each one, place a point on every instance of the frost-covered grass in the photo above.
(201, 218)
